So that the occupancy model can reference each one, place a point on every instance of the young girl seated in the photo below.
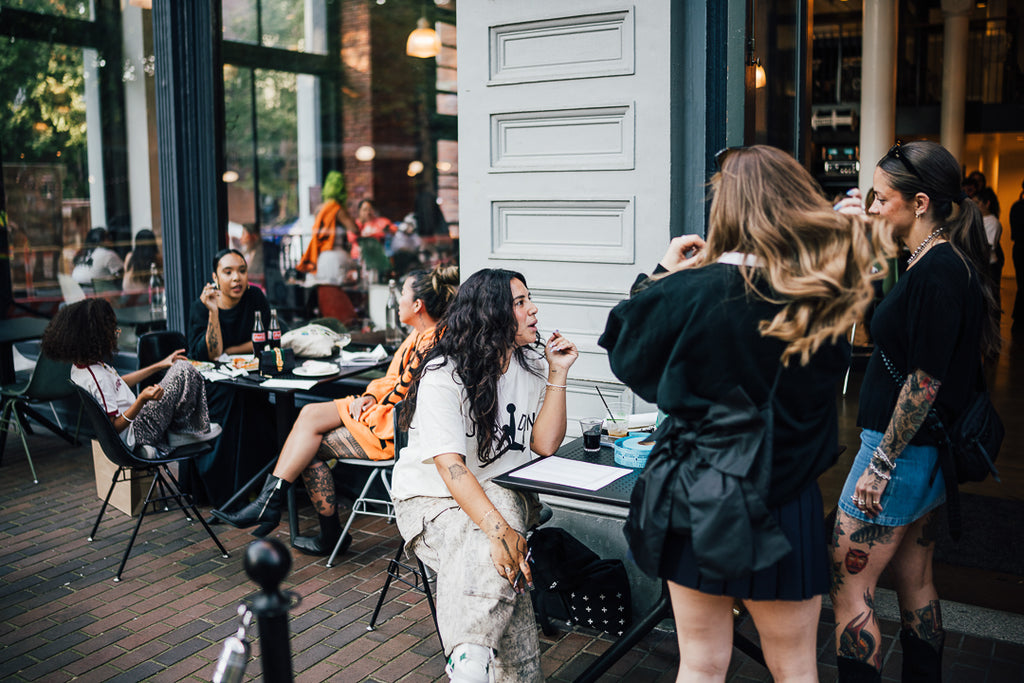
(163, 416)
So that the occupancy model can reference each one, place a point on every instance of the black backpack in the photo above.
(572, 584)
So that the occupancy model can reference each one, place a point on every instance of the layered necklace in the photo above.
(927, 240)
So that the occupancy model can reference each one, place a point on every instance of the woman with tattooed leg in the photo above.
(487, 395)
(931, 329)
(350, 427)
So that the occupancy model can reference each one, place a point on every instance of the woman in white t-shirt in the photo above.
(487, 397)
(163, 416)
(97, 260)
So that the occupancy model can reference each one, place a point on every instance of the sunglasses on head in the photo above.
(896, 152)
(723, 154)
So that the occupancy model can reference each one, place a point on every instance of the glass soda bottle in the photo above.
(259, 335)
(274, 331)
(393, 329)
(157, 300)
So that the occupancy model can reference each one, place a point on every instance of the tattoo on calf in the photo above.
(926, 623)
(856, 642)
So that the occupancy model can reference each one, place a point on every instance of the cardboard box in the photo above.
(128, 495)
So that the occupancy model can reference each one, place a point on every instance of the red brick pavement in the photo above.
(62, 617)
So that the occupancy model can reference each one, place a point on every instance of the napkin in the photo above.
(375, 356)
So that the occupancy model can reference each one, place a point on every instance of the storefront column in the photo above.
(878, 89)
(954, 75)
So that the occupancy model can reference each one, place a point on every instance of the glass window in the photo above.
(282, 24)
(79, 9)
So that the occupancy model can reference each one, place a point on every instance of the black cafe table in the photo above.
(615, 494)
(284, 416)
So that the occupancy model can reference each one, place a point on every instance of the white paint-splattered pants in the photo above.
(474, 603)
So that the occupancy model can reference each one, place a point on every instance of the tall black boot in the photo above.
(323, 545)
(922, 663)
(265, 510)
(856, 671)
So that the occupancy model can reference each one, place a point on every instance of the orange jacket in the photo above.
(323, 235)
(375, 429)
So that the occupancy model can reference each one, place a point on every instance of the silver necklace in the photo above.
(935, 233)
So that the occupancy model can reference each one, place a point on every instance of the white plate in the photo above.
(315, 371)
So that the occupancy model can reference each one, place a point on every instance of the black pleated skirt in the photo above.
(800, 575)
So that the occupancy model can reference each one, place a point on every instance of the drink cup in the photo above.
(617, 424)
(591, 427)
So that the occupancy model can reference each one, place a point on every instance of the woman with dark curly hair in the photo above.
(97, 260)
(351, 427)
(162, 416)
(478, 406)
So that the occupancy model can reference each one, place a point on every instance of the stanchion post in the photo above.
(267, 562)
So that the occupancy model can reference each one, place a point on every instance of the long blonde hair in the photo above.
(816, 262)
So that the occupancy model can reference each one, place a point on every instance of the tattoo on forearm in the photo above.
(915, 400)
(457, 471)
(212, 340)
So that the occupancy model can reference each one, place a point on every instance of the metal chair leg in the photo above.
(135, 531)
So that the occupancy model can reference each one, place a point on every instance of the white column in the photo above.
(94, 137)
(954, 75)
(308, 112)
(136, 120)
(878, 86)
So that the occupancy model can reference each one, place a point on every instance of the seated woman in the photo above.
(97, 260)
(137, 264)
(163, 416)
(371, 224)
(485, 399)
(220, 322)
(351, 427)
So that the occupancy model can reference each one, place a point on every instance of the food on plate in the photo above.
(245, 363)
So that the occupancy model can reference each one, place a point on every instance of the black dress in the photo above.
(691, 344)
(249, 439)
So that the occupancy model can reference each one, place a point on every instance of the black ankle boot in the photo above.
(265, 510)
(856, 671)
(922, 663)
(323, 545)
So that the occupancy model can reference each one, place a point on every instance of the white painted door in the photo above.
(564, 110)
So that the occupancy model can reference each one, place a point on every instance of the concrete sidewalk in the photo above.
(62, 617)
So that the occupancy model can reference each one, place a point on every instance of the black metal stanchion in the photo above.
(267, 562)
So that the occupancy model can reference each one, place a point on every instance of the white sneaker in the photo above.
(176, 439)
(470, 663)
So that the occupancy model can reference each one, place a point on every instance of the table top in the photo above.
(252, 379)
(616, 493)
(22, 329)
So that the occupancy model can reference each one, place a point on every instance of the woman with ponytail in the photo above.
(933, 329)
(350, 427)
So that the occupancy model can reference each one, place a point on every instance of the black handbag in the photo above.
(277, 361)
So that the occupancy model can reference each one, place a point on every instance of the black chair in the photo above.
(130, 462)
(49, 383)
(420, 576)
(155, 346)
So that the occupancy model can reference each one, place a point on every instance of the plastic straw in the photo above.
(604, 402)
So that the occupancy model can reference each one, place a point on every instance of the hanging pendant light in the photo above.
(424, 41)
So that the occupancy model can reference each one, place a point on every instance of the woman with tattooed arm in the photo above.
(486, 395)
(931, 329)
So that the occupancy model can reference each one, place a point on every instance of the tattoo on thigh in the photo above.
(857, 642)
(872, 534)
(929, 530)
(837, 578)
(856, 560)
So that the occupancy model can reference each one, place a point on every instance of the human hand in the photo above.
(683, 252)
(852, 203)
(169, 361)
(560, 352)
(153, 392)
(867, 494)
(358, 405)
(210, 296)
(508, 553)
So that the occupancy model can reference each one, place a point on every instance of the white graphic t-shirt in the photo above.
(441, 424)
(109, 390)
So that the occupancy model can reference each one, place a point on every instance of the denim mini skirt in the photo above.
(908, 496)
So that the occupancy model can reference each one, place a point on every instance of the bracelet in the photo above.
(879, 473)
(128, 419)
(880, 454)
(556, 386)
(484, 518)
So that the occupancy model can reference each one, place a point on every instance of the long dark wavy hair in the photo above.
(475, 337)
(938, 176)
(94, 238)
(83, 333)
(144, 255)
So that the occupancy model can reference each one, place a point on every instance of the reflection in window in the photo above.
(78, 9)
(275, 23)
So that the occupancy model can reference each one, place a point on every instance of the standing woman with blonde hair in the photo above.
(931, 331)
(741, 342)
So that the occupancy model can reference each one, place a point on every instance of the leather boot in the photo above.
(323, 545)
(921, 662)
(856, 671)
(265, 510)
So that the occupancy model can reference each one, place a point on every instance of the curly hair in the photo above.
(818, 263)
(83, 333)
(476, 337)
(938, 176)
